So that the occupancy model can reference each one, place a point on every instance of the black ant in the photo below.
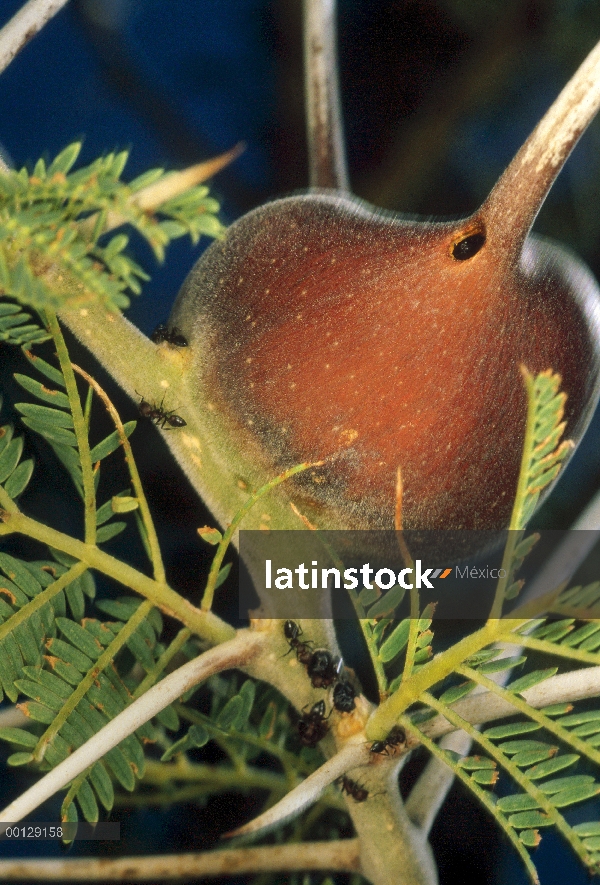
(171, 336)
(303, 651)
(322, 668)
(343, 697)
(320, 664)
(312, 726)
(158, 415)
(395, 739)
(358, 792)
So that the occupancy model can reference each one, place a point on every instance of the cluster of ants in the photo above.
(324, 670)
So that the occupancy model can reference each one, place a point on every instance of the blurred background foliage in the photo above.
(438, 95)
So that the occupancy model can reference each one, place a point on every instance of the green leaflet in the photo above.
(39, 693)
(106, 532)
(503, 731)
(111, 442)
(530, 838)
(573, 794)
(169, 718)
(387, 603)
(590, 828)
(230, 713)
(485, 776)
(6, 434)
(516, 802)
(579, 597)
(80, 638)
(471, 763)
(557, 709)
(16, 759)
(533, 756)
(43, 418)
(42, 392)
(579, 718)
(395, 642)
(10, 457)
(18, 481)
(534, 678)
(102, 784)
(554, 631)
(501, 664)
(451, 695)
(14, 473)
(530, 820)
(87, 802)
(197, 736)
(18, 737)
(551, 766)
(367, 596)
(54, 375)
(512, 747)
(52, 433)
(69, 655)
(223, 575)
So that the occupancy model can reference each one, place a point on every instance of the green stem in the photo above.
(507, 566)
(382, 680)
(413, 634)
(41, 599)
(513, 770)
(72, 792)
(415, 609)
(550, 648)
(204, 624)
(387, 714)
(155, 554)
(7, 504)
(79, 426)
(367, 632)
(105, 659)
(207, 599)
(516, 520)
(163, 662)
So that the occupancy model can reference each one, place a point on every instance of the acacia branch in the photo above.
(235, 653)
(24, 25)
(325, 136)
(487, 707)
(339, 856)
